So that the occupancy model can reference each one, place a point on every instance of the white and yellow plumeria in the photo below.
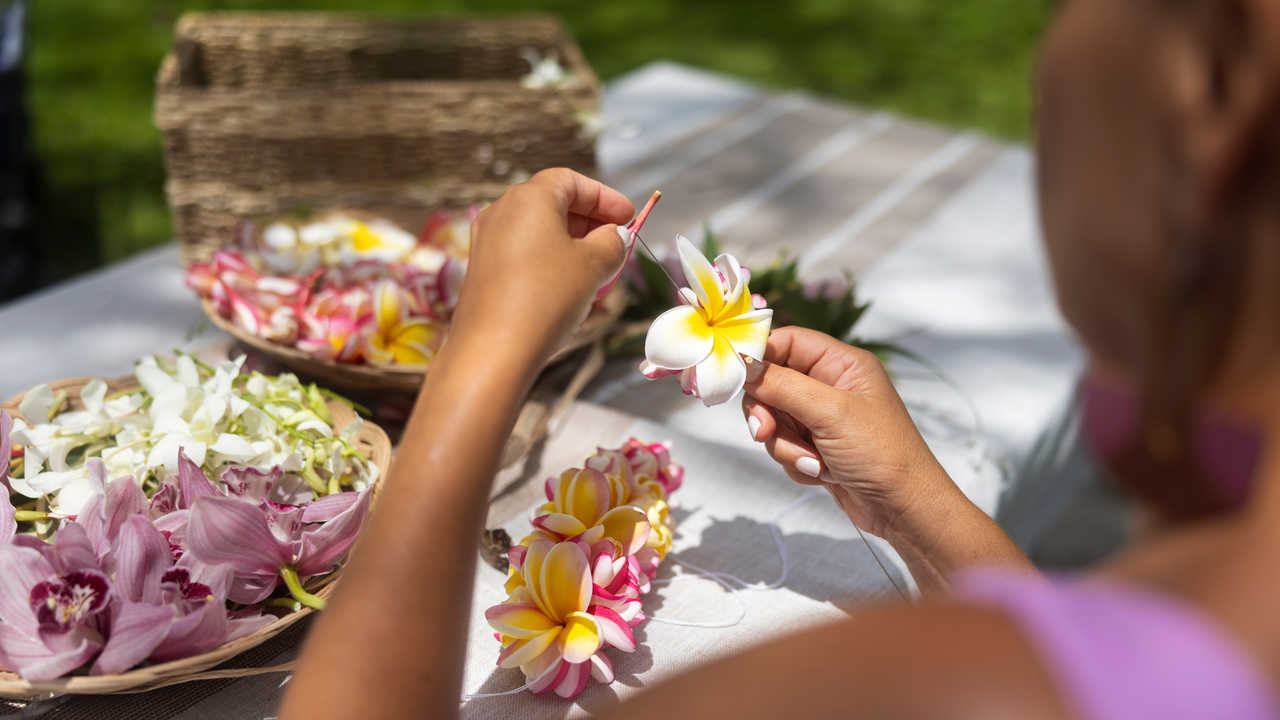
(706, 338)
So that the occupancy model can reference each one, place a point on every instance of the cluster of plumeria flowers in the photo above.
(705, 339)
(575, 583)
(234, 487)
(342, 289)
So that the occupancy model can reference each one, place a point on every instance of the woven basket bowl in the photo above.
(372, 442)
(403, 378)
(264, 112)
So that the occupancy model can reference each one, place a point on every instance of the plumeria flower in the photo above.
(652, 463)
(545, 628)
(397, 338)
(587, 506)
(375, 240)
(284, 252)
(706, 338)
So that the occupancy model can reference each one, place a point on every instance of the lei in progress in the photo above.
(576, 581)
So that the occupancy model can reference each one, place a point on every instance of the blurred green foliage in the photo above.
(92, 65)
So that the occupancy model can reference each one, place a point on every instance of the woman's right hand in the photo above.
(828, 414)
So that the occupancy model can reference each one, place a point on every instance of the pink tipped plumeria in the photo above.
(576, 583)
(360, 293)
(706, 338)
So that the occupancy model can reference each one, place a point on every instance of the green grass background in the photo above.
(92, 64)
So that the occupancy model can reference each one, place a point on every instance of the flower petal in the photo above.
(387, 307)
(192, 482)
(575, 680)
(601, 668)
(721, 376)
(142, 556)
(328, 507)
(628, 526)
(226, 530)
(748, 333)
(22, 568)
(6, 447)
(323, 547)
(580, 638)
(700, 276)
(677, 339)
(737, 298)
(519, 620)
(534, 558)
(559, 524)
(36, 404)
(613, 629)
(136, 630)
(35, 661)
(566, 581)
(587, 496)
(8, 526)
(545, 671)
(74, 549)
(520, 652)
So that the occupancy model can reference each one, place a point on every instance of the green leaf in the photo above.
(710, 245)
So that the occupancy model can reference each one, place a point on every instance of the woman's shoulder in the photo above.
(1121, 651)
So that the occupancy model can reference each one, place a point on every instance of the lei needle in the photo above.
(634, 228)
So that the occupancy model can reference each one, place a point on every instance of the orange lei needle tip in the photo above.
(643, 215)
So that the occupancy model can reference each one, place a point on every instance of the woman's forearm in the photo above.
(397, 626)
(946, 533)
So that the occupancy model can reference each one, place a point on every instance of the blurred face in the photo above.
(1103, 154)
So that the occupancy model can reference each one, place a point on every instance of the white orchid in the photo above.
(706, 339)
(214, 415)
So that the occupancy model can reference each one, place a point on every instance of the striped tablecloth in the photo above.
(937, 225)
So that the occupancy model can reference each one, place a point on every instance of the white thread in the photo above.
(727, 580)
(477, 696)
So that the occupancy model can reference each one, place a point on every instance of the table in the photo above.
(938, 227)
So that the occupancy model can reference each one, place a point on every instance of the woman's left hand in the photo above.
(538, 256)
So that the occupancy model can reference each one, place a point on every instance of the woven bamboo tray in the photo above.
(371, 441)
(402, 378)
(261, 113)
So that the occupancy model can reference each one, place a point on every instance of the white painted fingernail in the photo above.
(809, 466)
(753, 424)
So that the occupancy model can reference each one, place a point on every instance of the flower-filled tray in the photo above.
(351, 297)
(85, 432)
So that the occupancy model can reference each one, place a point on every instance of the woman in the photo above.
(1158, 179)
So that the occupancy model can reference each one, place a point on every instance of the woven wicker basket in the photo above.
(371, 441)
(265, 113)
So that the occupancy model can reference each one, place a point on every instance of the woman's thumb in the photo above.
(610, 247)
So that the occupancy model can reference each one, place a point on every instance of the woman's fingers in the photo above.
(821, 357)
(578, 194)
(760, 419)
(797, 457)
(811, 402)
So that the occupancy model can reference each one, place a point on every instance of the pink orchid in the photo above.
(6, 448)
(51, 622)
(262, 545)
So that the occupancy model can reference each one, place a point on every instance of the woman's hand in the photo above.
(827, 413)
(538, 255)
